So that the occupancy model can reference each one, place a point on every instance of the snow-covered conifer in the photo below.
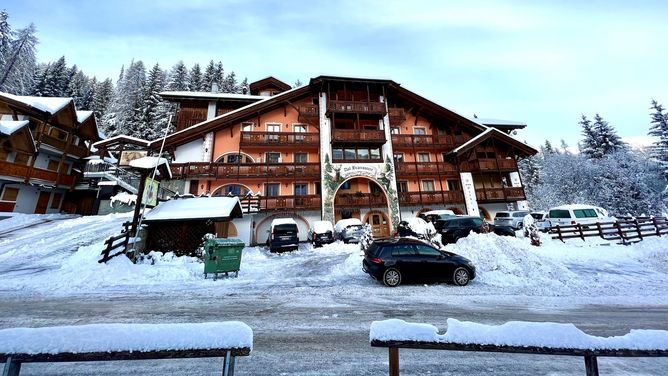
(195, 78)
(18, 71)
(178, 78)
(659, 129)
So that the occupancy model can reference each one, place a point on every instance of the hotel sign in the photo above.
(359, 170)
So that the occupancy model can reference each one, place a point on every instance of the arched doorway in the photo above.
(423, 210)
(358, 195)
(379, 222)
(456, 210)
(263, 227)
(484, 213)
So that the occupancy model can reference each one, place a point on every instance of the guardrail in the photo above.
(114, 245)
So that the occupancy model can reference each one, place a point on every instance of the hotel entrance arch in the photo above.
(363, 198)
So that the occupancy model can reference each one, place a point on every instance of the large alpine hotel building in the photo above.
(341, 147)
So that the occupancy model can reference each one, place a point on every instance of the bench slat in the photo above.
(126, 355)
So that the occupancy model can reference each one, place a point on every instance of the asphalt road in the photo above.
(298, 337)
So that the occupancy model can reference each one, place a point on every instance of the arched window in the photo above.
(235, 158)
(231, 190)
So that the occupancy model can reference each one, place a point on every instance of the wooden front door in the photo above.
(42, 202)
(379, 225)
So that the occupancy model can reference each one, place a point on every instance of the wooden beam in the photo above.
(394, 361)
(591, 365)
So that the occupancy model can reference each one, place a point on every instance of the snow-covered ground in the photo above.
(320, 304)
(59, 257)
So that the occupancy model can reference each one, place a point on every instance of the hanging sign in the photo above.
(150, 197)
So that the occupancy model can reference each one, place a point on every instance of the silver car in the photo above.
(513, 219)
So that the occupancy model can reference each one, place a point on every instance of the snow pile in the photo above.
(321, 227)
(147, 163)
(123, 198)
(517, 333)
(343, 223)
(125, 337)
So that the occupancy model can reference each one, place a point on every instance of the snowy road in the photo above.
(311, 309)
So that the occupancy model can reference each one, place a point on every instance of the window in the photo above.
(52, 165)
(420, 131)
(58, 133)
(272, 157)
(300, 128)
(584, 213)
(346, 185)
(22, 159)
(362, 153)
(403, 250)
(233, 158)
(10, 194)
(559, 213)
(301, 189)
(423, 250)
(234, 190)
(275, 128)
(350, 154)
(55, 201)
(337, 154)
(246, 126)
(453, 185)
(428, 185)
(485, 155)
(444, 157)
(395, 130)
(318, 189)
(423, 157)
(301, 157)
(399, 157)
(271, 189)
(402, 186)
(375, 153)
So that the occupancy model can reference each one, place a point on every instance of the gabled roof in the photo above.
(201, 208)
(122, 139)
(210, 96)
(88, 125)
(9, 127)
(493, 133)
(19, 135)
(50, 105)
(500, 124)
(270, 81)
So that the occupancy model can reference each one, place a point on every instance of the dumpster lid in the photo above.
(226, 242)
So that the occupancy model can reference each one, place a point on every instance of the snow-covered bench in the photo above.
(516, 337)
(105, 342)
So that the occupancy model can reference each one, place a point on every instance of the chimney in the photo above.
(214, 88)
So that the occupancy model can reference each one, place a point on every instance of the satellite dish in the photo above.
(514, 133)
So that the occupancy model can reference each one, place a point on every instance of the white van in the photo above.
(577, 214)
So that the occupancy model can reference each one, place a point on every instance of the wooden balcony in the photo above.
(358, 136)
(397, 116)
(279, 139)
(489, 165)
(62, 145)
(309, 113)
(514, 193)
(37, 174)
(356, 107)
(299, 202)
(431, 197)
(359, 200)
(404, 141)
(410, 169)
(214, 170)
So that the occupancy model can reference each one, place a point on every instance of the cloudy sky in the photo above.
(542, 62)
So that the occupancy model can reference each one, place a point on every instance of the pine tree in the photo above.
(659, 129)
(195, 78)
(547, 149)
(55, 82)
(589, 146)
(608, 140)
(135, 86)
(39, 81)
(209, 77)
(155, 113)
(5, 38)
(178, 78)
(298, 83)
(219, 75)
(87, 95)
(19, 67)
(230, 84)
(102, 96)
(243, 87)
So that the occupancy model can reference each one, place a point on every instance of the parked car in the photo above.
(284, 235)
(434, 215)
(416, 227)
(453, 229)
(398, 260)
(510, 218)
(577, 214)
(321, 232)
(540, 220)
(349, 230)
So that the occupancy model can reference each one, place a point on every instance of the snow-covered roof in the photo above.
(107, 183)
(210, 95)
(122, 137)
(148, 163)
(46, 104)
(8, 127)
(343, 223)
(321, 227)
(475, 140)
(83, 115)
(125, 337)
(517, 333)
(491, 122)
(199, 208)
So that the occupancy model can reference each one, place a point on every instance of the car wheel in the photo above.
(392, 277)
(461, 277)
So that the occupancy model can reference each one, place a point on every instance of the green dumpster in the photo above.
(222, 255)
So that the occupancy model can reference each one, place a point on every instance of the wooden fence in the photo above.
(117, 244)
(622, 231)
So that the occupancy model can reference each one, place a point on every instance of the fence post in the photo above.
(600, 230)
(581, 233)
(638, 228)
(656, 227)
(591, 365)
(620, 232)
(394, 361)
(559, 233)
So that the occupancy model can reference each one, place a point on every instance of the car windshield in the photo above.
(285, 229)
(502, 215)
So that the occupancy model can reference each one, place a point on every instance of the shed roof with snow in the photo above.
(194, 209)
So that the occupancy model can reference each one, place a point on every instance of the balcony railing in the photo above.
(297, 202)
(424, 168)
(356, 107)
(214, 170)
(514, 193)
(46, 176)
(397, 116)
(62, 145)
(422, 141)
(358, 136)
(308, 112)
(357, 200)
(279, 139)
(489, 165)
(431, 197)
